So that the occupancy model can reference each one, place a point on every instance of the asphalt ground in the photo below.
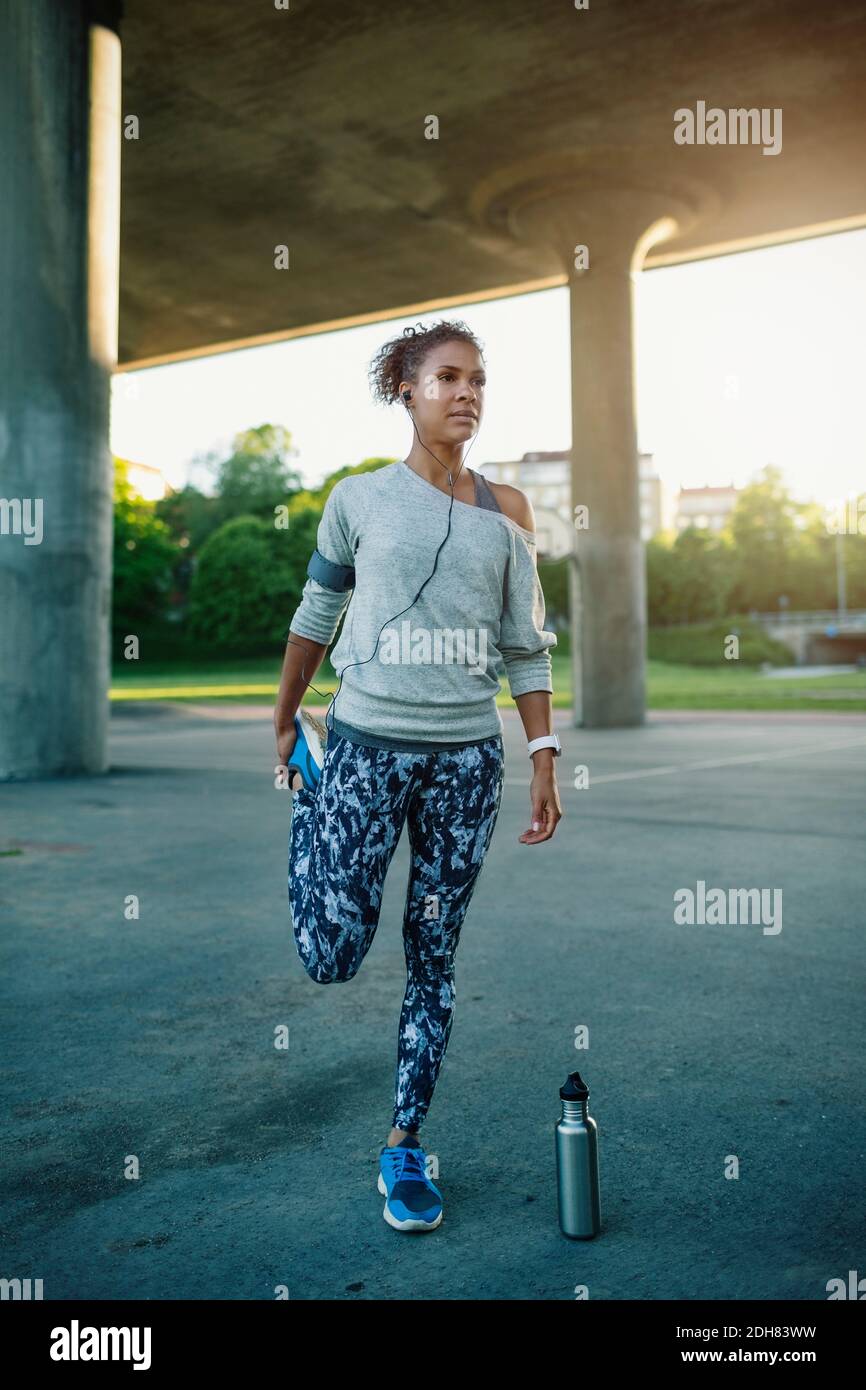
(157, 1144)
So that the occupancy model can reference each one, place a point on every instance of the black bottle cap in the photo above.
(575, 1088)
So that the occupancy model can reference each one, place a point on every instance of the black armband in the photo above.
(329, 574)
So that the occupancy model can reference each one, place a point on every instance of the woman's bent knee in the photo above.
(331, 972)
(331, 952)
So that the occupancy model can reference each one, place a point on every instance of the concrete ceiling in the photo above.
(305, 127)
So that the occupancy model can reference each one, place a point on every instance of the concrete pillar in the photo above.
(59, 261)
(601, 198)
(617, 225)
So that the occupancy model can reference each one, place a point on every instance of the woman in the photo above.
(413, 733)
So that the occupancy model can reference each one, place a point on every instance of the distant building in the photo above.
(145, 480)
(706, 507)
(546, 480)
(655, 505)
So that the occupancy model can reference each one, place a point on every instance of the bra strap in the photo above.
(484, 493)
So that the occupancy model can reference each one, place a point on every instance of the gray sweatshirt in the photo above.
(434, 673)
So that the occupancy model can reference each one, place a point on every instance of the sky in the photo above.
(741, 360)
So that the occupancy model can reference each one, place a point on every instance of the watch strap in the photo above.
(545, 741)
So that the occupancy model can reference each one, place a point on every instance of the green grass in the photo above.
(254, 679)
(726, 687)
(731, 687)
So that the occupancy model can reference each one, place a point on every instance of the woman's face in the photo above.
(448, 397)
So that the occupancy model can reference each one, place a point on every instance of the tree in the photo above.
(189, 515)
(767, 543)
(248, 582)
(553, 576)
(144, 556)
(256, 476)
(689, 577)
(368, 466)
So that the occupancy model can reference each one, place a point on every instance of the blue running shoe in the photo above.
(308, 754)
(412, 1202)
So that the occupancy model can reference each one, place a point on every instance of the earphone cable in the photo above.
(308, 684)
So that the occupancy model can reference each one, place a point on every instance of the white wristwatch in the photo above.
(546, 741)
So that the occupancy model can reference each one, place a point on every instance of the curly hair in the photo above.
(400, 359)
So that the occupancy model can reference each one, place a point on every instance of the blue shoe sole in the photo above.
(302, 760)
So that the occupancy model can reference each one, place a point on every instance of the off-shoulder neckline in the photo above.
(471, 506)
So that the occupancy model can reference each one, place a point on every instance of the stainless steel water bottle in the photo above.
(577, 1190)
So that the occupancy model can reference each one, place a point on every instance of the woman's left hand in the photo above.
(546, 810)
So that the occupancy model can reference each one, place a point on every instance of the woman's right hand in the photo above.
(286, 745)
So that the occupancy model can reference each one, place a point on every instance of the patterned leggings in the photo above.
(342, 839)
